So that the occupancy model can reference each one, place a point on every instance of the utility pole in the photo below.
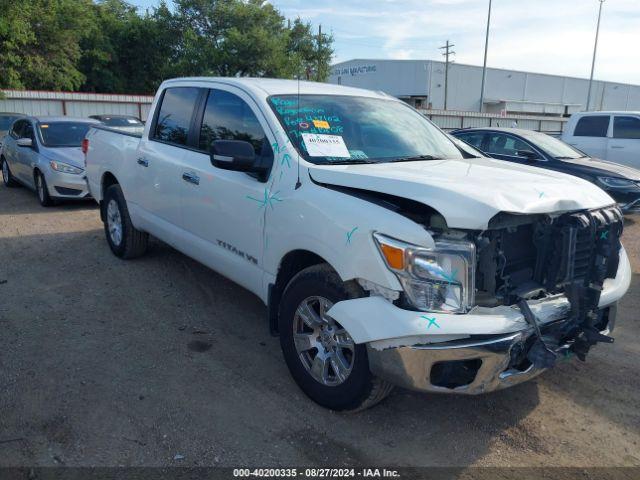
(595, 49)
(319, 52)
(447, 53)
(484, 65)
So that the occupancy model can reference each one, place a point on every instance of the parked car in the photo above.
(544, 151)
(612, 136)
(6, 120)
(44, 154)
(384, 256)
(126, 123)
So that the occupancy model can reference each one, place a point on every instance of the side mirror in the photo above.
(528, 154)
(24, 142)
(235, 155)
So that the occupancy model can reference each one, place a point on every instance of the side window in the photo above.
(28, 131)
(174, 117)
(626, 127)
(592, 126)
(228, 117)
(474, 139)
(18, 127)
(506, 145)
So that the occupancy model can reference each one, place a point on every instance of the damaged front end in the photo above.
(522, 259)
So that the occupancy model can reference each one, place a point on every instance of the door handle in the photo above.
(143, 161)
(191, 178)
(617, 146)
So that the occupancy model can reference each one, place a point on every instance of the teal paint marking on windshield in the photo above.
(268, 199)
(286, 158)
(604, 235)
(451, 277)
(350, 234)
(431, 320)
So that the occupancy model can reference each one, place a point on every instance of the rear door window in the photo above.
(592, 126)
(18, 128)
(174, 117)
(626, 127)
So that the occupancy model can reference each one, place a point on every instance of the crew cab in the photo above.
(383, 253)
(612, 136)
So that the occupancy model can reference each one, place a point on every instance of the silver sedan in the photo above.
(44, 154)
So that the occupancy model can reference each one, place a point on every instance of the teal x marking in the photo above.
(286, 158)
(350, 234)
(431, 320)
(604, 235)
(268, 199)
(451, 277)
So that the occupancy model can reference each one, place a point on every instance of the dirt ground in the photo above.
(161, 362)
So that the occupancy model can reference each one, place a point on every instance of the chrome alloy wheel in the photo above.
(325, 348)
(114, 222)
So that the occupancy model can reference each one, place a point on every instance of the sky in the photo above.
(546, 36)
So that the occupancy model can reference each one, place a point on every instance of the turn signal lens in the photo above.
(393, 255)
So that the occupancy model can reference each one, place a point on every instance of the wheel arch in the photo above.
(107, 180)
(291, 264)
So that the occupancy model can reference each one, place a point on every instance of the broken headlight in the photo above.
(434, 280)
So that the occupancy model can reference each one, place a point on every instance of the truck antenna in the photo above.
(298, 184)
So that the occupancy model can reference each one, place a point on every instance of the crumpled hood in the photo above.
(71, 155)
(469, 192)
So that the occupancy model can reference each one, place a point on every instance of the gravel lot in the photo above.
(160, 362)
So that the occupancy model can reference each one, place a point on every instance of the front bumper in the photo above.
(469, 367)
(66, 185)
(483, 349)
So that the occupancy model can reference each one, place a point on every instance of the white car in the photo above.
(612, 136)
(384, 255)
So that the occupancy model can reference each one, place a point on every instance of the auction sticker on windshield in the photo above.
(325, 145)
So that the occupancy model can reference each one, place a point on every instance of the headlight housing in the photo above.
(441, 279)
(64, 167)
(614, 182)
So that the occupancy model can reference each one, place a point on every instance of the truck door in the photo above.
(624, 146)
(590, 135)
(223, 210)
(158, 173)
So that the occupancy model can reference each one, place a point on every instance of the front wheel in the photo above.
(42, 190)
(7, 177)
(124, 239)
(323, 359)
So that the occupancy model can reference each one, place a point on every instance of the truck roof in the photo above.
(59, 118)
(264, 87)
(607, 112)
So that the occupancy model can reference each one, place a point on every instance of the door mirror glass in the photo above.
(24, 142)
(235, 155)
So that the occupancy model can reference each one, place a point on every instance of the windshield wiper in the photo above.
(347, 161)
(415, 158)
(568, 158)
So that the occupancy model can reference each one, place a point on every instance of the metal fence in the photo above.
(451, 119)
(74, 104)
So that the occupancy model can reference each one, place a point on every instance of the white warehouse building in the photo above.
(422, 84)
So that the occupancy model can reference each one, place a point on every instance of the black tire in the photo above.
(42, 191)
(7, 177)
(132, 242)
(361, 389)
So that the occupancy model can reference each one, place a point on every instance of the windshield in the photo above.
(6, 121)
(121, 121)
(63, 134)
(330, 129)
(554, 147)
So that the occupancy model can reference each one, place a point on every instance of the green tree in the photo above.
(40, 43)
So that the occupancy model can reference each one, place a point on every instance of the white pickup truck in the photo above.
(385, 254)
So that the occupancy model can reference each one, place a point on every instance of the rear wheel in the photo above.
(7, 177)
(322, 357)
(41, 190)
(124, 239)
